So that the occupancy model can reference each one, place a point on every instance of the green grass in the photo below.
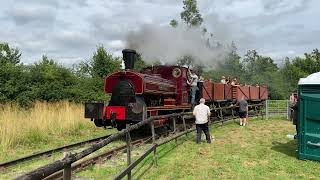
(56, 141)
(258, 151)
(39, 143)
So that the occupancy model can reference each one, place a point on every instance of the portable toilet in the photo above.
(309, 117)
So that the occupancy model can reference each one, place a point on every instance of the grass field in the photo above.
(43, 127)
(258, 151)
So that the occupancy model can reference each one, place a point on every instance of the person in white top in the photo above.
(223, 80)
(194, 86)
(202, 114)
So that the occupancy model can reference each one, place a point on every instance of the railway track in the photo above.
(93, 160)
(106, 155)
(49, 152)
(70, 146)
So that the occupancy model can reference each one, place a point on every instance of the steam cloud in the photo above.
(168, 45)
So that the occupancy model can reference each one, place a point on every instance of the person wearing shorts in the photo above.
(202, 114)
(243, 111)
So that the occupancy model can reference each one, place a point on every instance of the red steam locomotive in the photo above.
(158, 90)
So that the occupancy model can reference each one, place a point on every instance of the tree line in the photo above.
(47, 80)
(253, 68)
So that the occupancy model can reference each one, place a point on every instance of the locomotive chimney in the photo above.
(128, 58)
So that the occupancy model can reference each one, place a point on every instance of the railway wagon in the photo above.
(218, 92)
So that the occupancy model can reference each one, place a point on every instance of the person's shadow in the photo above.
(288, 148)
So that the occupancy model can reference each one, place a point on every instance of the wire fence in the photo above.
(277, 108)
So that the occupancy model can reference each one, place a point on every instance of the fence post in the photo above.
(261, 113)
(234, 119)
(184, 125)
(267, 109)
(278, 107)
(221, 113)
(288, 110)
(154, 142)
(128, 139)
(153, 132)
(174, 125)
(67, 168)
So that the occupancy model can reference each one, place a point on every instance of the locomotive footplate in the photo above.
(162, 108)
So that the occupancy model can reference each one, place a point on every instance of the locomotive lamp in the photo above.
(128, 58)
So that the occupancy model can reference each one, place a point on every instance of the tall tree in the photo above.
(261, 69)
(9, 55)
(232, 65)
(13, 77)
(190, 14)
(91, 73)
(310, 64)
(51, 81)
(300, 67)
(101, 64)
(292, 74)
(13, 81)
(255, 63)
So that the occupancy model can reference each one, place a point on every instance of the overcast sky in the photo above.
(69, 31)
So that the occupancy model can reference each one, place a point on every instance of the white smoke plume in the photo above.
(167, 44)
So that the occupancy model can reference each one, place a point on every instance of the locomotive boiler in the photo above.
(137, 95)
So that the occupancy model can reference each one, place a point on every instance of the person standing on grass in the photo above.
(294, 112)
(243, 111)
(202, 114)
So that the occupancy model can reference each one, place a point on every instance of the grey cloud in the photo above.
(23, 14)
(48, 3)
(80, 2)
(71, 30)
(285, 6)
(72, 41)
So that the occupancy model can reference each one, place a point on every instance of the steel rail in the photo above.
(93, 160)
(48, 152)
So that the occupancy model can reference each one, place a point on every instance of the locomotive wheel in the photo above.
(98, 122)
(120, 125)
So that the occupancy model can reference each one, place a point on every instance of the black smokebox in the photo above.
(128, 58)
